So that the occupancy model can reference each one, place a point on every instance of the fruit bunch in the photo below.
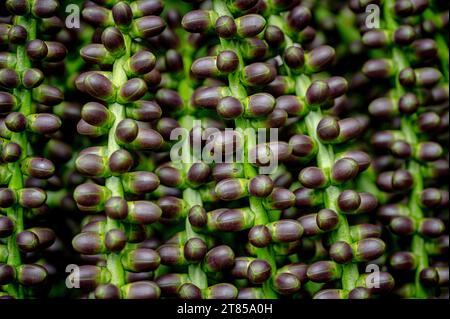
(224, 149)
(29, 141)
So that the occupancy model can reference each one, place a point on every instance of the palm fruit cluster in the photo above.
(131, 150)
(30, 143)
(411, 160)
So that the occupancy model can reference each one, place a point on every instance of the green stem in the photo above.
(345, 26)
(16, 213)
(407, 127)
(239, 92)
(261, 216)
(114, 183)
(196, 273)
(441, 43)
(443, 55)
(325, 161)
(192, 197)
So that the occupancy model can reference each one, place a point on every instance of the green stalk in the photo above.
(16, 212)
(441, 44)
(407, 127)
(344, 24)
(443, 55)
(191, 196)
(196, 273)
(239, 92)
(325, 161)
(114, 183)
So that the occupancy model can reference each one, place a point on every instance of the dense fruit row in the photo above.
(224, 149)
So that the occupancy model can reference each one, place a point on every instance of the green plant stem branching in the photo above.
(239, 92)
(113, 183)
(325, 161)
(441, 43)
(16, 212)
(192, 197)
(407, 127)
